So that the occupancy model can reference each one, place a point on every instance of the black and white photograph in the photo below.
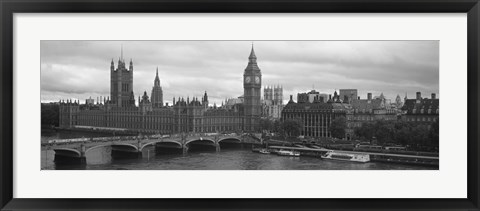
(239, 105)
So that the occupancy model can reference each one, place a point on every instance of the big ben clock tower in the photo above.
(252, 83)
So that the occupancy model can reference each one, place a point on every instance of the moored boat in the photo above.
(264, 151)
(261, 150)
(355, 157)
(288, 152)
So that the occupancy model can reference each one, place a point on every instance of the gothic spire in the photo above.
(157, 79)
(252, 66)
(252, 54)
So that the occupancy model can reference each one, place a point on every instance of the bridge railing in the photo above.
(129, 138)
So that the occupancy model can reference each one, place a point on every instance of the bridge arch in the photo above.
(230, 138)
(200, 144)
(200, 139)
(125, 146)
(161, 141)
(97, 146)
(230, 143)
(68, 152)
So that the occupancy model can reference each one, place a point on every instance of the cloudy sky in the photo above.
(80, 69)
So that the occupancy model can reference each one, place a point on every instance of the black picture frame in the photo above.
(9, 7)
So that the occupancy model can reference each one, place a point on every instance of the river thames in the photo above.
(225, 159)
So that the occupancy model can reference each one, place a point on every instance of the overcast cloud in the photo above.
(80, 69)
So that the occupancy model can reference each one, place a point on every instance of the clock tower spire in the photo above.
(252, 84)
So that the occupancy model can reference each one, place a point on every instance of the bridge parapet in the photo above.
(83, 145)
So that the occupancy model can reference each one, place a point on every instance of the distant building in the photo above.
(89, 101)
(317, 116)
(230, 103)
(421, 111)
(302, 98)
(398, 102)
(272, 103)
(335, 99)
(278, 95)
(311, 97)
(347, 95)
(268, 93)
(368, 110)
(271, 110)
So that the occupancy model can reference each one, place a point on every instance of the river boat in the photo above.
(354, 157)
(288, 153)
(264, 151)
(261, 150)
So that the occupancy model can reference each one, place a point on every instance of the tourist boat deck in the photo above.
(355, 157)
(288, 153)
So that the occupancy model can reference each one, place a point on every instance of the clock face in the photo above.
(257, 80)
(247, 79)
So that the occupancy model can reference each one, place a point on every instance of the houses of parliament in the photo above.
(314, 110)
(152, 115)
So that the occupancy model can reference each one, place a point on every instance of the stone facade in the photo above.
(121, 84)
(153, 116)
(316, 117)
(421, 111)
(252, 83)
(272, 104)
(369, 110)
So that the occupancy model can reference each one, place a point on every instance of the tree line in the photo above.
(380, 131)
(400, 132)
(287, 128)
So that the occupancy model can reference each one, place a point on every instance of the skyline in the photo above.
(80, 69)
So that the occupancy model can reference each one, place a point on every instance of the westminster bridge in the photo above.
(76, 150)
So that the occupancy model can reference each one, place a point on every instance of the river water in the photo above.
(231, 159)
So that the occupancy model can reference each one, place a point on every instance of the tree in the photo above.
(49, 114)
(292, 127)
(366, 131)
(266, 124)
(419, 135)
(338, 126)
(399, 132)
(277, 127)
(402, 136)
(402, 133)
(383, 131)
